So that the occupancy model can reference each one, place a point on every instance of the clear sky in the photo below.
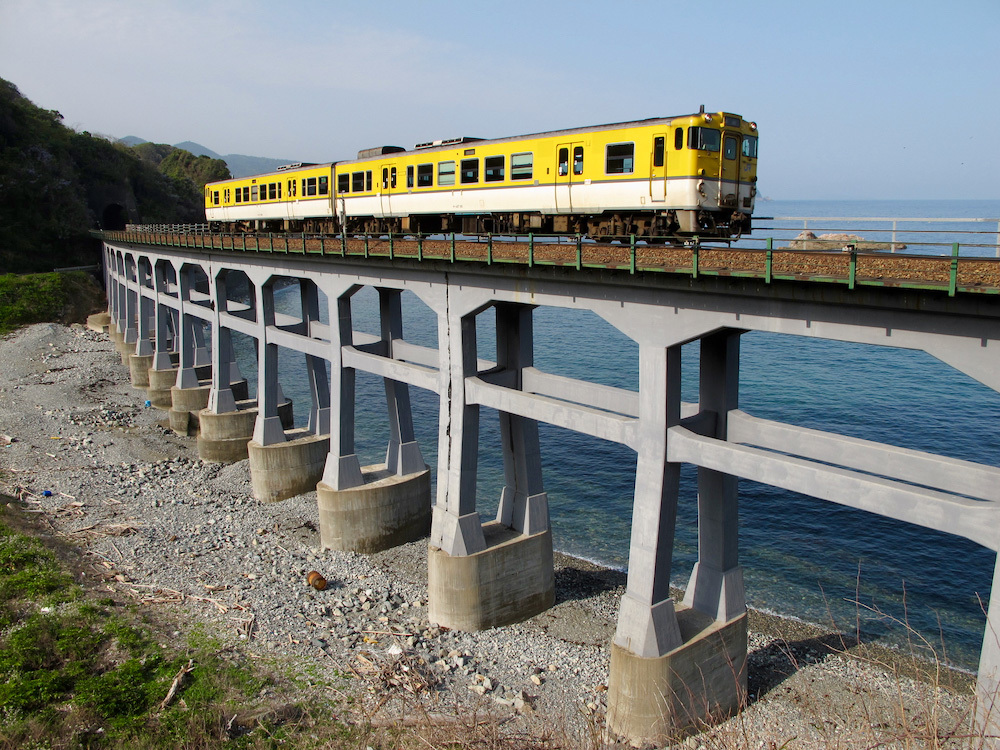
(854, 99)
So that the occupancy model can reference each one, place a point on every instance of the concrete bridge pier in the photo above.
(484, 575)
(189, 394)
(227, 421)
(284, 464)
(141, 358)
(677, 668)
(162, 373)
(371, 508)
(130, 320)
(117, 294)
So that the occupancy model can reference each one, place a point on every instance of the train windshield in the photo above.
(704, 139)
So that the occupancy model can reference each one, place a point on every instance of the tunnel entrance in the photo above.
(114, 217)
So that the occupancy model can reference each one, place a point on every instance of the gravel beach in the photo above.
(79, 450)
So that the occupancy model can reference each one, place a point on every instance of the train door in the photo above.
(389, 179)
(569, 171)
(658, 169)
(729, 173)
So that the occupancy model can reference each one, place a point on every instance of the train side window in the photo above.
(446, 173)
(730, 147)
(563, 162)
(521, 166)
(409, 176)
(225, 195)
(311, 186)
(658, 147)
(253, 193)
(324, 185)
(493, 169)
(678, 139)
(385, 178)
(291, 188)
(343, 183)
(704, 139)
(215, 197)
(470, 171)
(620, 158)
(392, 177)
(272, 191)
(279, 191)
(750, 146)
(239, 195)
(578, 160)
(357, 182)
(368, 180)
(425, 175)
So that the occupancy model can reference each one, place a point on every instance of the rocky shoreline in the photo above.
(79, 450)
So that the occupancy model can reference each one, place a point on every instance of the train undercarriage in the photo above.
(653, 227)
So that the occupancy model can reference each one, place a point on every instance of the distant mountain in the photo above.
(132, 140)
(198, 150)
(239, 164)
(243, 166)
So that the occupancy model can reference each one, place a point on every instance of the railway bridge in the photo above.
(672, 664)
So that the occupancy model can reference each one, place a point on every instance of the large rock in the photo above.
(808, 241)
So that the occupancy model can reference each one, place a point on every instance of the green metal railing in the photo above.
(952, 274)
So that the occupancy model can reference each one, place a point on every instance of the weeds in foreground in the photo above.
(79, 669)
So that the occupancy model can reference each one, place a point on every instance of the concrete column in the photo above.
(403, 454)
(988, 681)
(268, 429)
(456, 528)
(647, 624)
(523, 503)
(319, 387)
(343, 469)
(716, 585)
(114, 302)
(221, 399)
(120, 316)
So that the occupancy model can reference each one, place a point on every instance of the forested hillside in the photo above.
(56, 184)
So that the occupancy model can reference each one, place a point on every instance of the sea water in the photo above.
(806, 558)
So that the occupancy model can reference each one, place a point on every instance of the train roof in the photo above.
(451, 143)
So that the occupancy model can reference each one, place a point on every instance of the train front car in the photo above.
(717, 167)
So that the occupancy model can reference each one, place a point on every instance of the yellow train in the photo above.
(659, 179)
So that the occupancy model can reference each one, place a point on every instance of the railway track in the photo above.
(952, 274)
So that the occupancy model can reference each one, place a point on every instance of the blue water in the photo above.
(801, 557)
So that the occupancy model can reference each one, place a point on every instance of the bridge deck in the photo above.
(852, 268)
